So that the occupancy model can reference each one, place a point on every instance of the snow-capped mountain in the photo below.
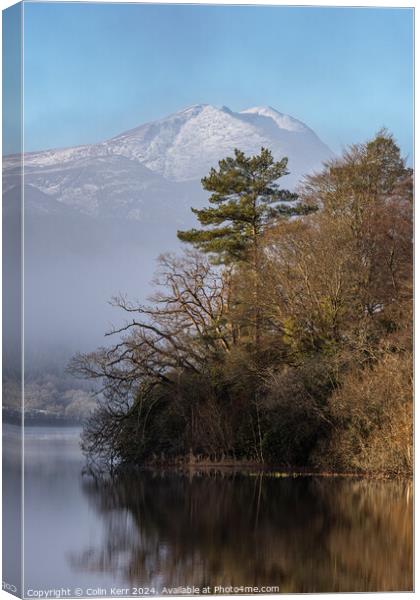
(185, 145)
(156, 163)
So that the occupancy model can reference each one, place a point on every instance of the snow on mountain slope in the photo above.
(283, 121)
(185, 145)
(153, 164)
(102, 186)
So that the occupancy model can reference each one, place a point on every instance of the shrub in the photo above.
(373, 414)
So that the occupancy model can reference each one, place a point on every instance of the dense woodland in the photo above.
(282, 334)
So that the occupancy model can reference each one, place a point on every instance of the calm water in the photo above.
(155, 530)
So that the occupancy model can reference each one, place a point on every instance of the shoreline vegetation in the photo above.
(282, 335)
(227, 466)
(258, 469)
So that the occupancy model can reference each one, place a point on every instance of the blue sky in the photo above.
(95, 70)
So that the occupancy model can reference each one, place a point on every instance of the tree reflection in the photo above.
(301, 534)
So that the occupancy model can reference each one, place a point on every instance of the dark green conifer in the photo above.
(246, 198)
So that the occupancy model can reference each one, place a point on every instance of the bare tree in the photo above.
(185, 328)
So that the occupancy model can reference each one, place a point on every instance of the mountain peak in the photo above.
(282, 120)
(184, 145)
(194, 108)
(261, 110)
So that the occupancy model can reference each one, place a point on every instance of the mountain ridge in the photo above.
(163, 161)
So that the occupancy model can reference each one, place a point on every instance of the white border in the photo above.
(390, 4)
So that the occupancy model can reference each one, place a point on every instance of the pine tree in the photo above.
(246, 198)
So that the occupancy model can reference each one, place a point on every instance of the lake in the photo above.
(157, 530)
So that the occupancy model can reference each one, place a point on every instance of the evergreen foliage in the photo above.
(246, 198)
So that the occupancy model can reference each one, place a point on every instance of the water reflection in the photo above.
(303, 535)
